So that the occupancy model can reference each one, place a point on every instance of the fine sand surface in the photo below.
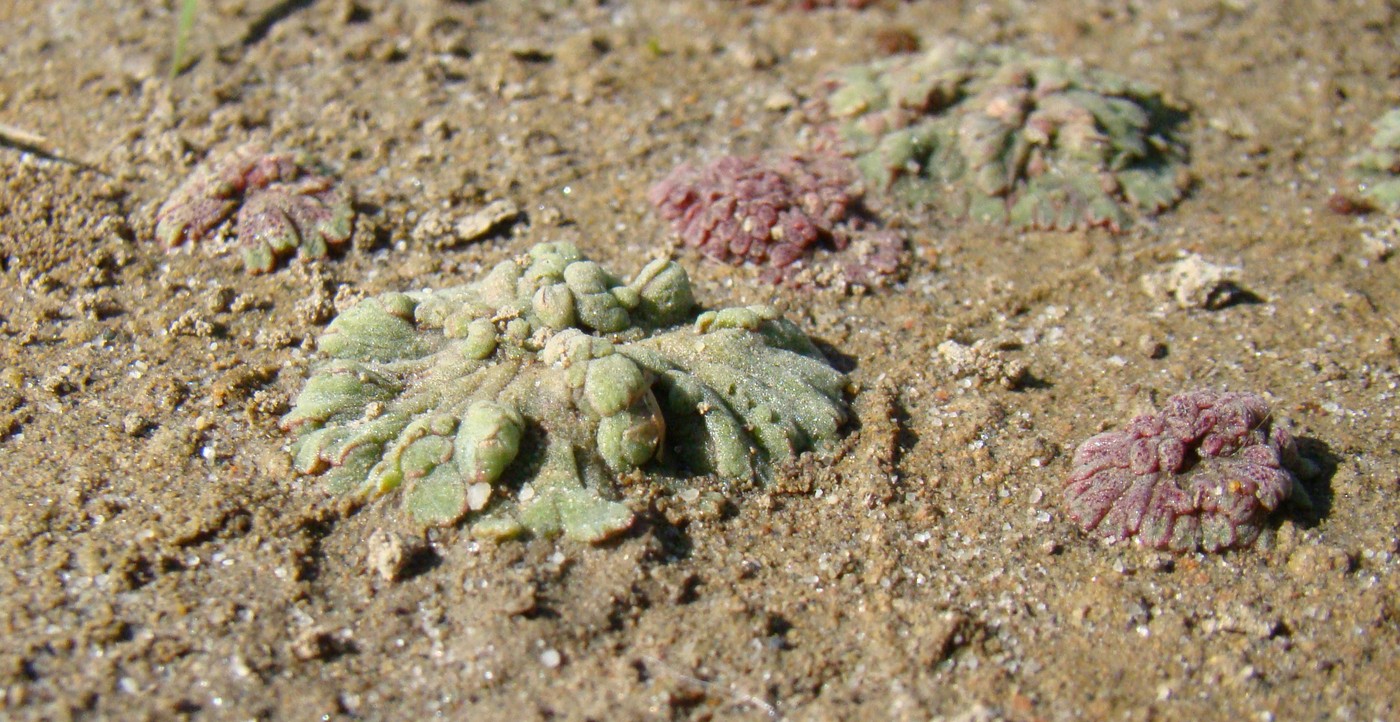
(162, 560)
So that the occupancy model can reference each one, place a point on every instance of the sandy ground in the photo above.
(162, 560)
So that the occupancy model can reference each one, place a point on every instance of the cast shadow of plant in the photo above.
(1310, 512)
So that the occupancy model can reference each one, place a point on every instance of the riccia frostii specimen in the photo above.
(994, 134)
(1203, 473)
(285, 203)
(520, 399)
(1374, 173)
(775, 211)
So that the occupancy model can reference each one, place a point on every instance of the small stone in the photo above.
(388, 554)
(1152, 347)
(315, 309)
(551, 659)
(134, 424)
(528, 50)
(1195, 283)
(1160, 562)
(12, 377)
(478, 495)
(193, 323)
(780, 100)
(983, 363)
(432, 226)
(753, 55)
(1379, 240)
(482, 222)
(314, 643)
(220, 299)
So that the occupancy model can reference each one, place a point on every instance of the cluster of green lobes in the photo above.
(997, 135)
(519, 400)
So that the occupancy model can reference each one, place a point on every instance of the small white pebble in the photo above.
(779, 100)
(477, 495)
(551, 658)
